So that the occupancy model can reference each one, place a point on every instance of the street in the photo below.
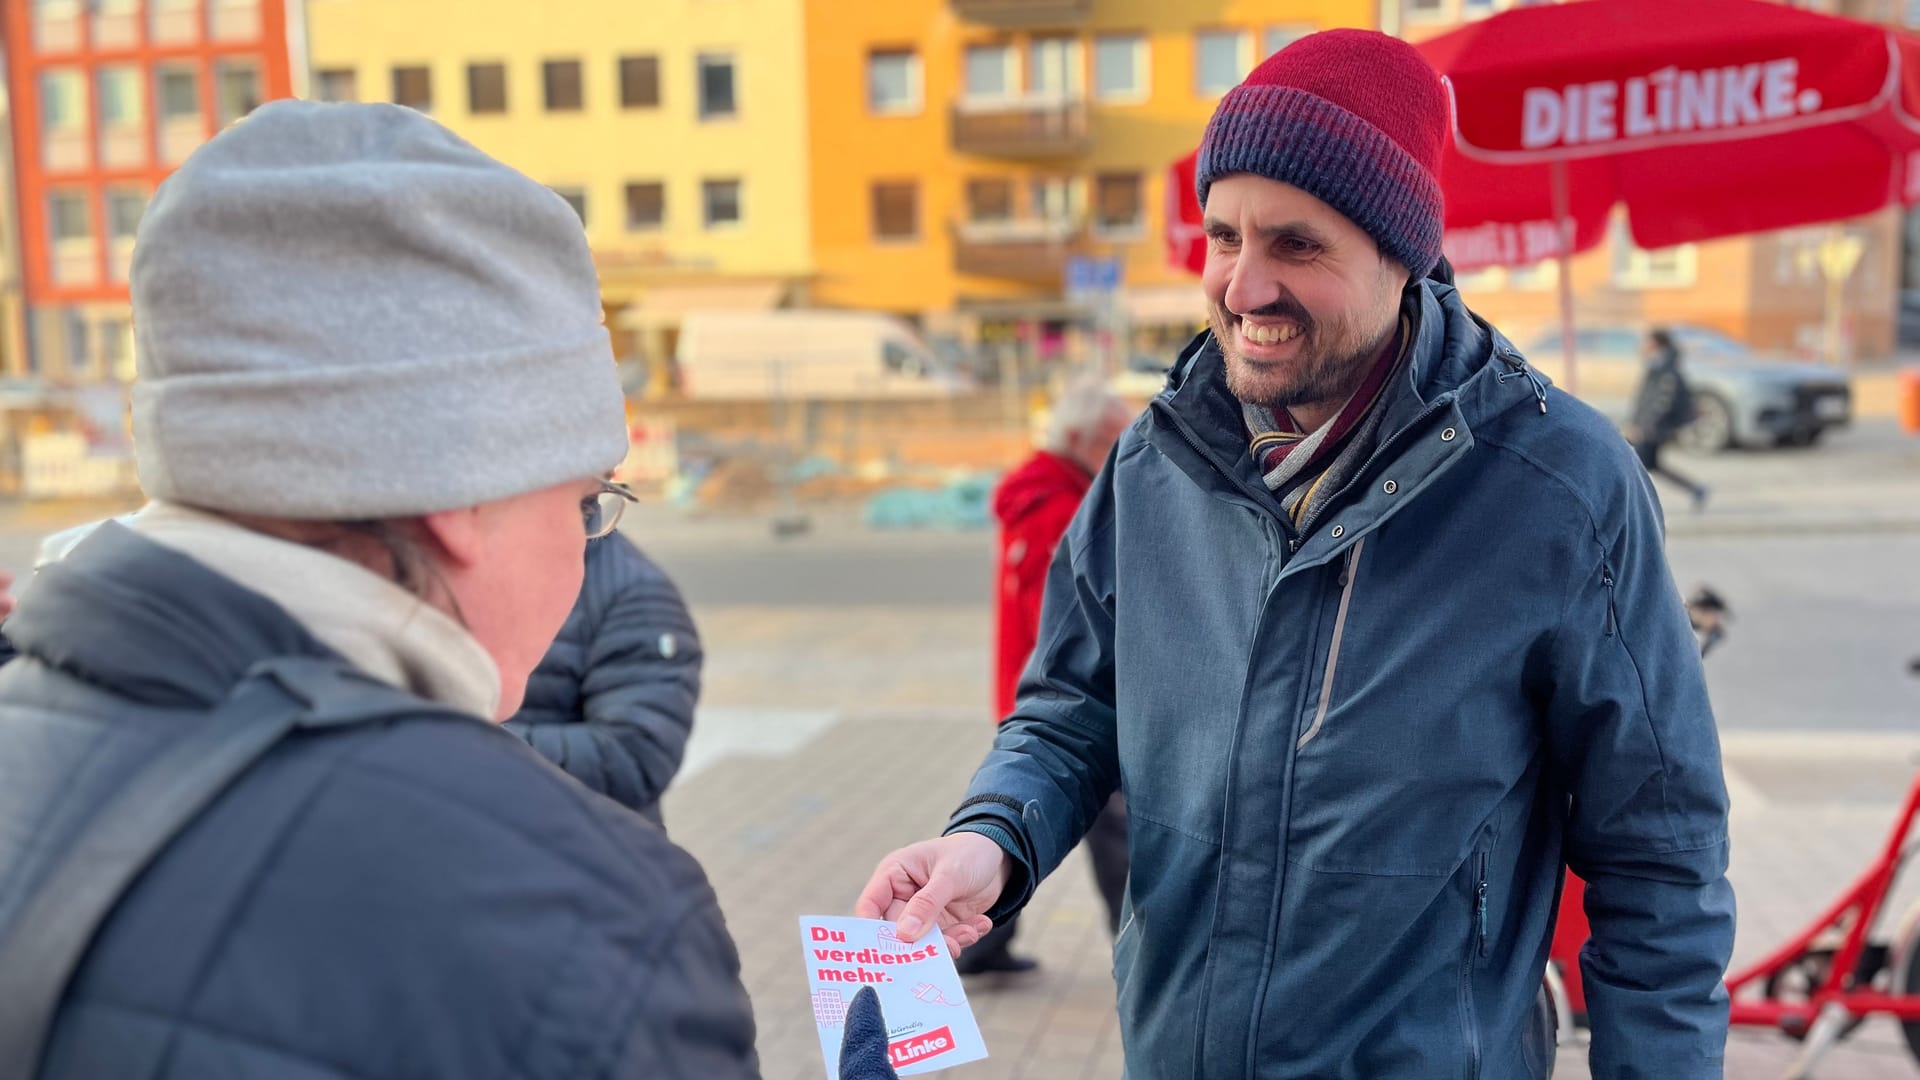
(845, 705)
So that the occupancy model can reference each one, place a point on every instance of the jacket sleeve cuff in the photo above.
(1019, 887)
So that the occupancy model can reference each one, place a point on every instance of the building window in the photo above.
(238, 91)
(173, 22)
(56, 26)
(1120, 206)
(1219, 61)
(1056, 200)
(1120, 70)
(124, 210)
(1056, 69)
(233, 20)
(121, 103)
(990, 202)
(413, 87)
(562, 81)
(639, 82)
(646, 205)
(1428, 10)
(720, 203)
(1279, 37)
(179, 94)
(79, 344)
(70, 221)
(486, 89)
(577, 199)
(1635, 268)
(990, 73)
(1475, 9)
(67, 215)
(115, 337)
(896, 210)
(894, 82)
(63, 101)
(336, 84)
(716, 86)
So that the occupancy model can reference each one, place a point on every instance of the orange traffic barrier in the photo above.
(1910, 401)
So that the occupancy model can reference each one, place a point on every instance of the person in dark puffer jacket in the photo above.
(612, 703)
(341, 308)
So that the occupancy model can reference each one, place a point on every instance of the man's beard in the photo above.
(1332, 362)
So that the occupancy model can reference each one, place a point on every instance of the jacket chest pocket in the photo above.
(1402, 746)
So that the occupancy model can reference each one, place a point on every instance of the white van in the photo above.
(761, 355)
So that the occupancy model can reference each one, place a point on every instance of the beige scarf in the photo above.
(381, 628)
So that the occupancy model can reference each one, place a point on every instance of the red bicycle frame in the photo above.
(1854, 913)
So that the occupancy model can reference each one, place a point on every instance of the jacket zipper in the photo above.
(1606, 581)
(1480, 907)
(1469, 1017)
(1348, 574)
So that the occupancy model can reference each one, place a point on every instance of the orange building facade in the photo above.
(108, 97)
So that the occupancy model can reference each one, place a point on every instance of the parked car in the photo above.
(1741, 398)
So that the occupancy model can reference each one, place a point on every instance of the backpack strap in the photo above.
(58, 920)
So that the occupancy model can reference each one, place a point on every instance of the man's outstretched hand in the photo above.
(948, 882)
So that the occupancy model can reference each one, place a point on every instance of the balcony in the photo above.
(1030, 251)
(1046, 128)
(1023, 14)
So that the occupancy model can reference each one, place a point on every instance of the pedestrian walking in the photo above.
(1662, 408)
(1375, 629)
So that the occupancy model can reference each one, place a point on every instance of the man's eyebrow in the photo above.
(1292, 230)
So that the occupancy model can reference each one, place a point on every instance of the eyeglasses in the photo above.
(601, 511)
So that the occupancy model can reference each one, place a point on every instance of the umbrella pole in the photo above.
(1562, 219)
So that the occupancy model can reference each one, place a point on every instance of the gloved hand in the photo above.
(863, 1046)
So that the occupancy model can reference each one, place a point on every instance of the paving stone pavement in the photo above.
(882, 718)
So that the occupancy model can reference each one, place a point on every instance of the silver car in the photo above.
(1741, 398)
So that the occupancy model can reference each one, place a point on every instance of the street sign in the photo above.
(1091, 279)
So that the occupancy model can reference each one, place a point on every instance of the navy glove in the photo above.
(863, 1047)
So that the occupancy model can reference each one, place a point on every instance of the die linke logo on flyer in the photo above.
(918, 1048)
(1669, 101)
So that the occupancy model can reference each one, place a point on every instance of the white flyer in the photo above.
(930, 1026)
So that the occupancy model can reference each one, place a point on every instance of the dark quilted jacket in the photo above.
(612, 703)
(418, 898)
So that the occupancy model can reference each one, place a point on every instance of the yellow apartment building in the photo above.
(963, 152)
(676, 128)
(1767, 289)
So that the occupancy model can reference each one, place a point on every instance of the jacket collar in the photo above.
(150, 623)
(1460, 372)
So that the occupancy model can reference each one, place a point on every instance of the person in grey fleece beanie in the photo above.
(347, 312)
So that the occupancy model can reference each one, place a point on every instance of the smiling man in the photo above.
(1375, 630)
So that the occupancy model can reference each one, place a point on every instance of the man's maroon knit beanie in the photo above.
(1354, 118)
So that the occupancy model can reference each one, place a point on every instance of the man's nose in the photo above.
(1253, 285)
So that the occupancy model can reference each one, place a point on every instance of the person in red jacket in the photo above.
(1034, 504)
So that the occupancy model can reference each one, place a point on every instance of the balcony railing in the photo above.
(1031, 251)
(1024, 13)
(1017, 128)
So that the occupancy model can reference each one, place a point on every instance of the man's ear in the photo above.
(456, 533)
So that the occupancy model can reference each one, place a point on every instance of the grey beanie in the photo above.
(348, 312)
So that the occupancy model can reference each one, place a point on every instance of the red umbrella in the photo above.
(1704, 118)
